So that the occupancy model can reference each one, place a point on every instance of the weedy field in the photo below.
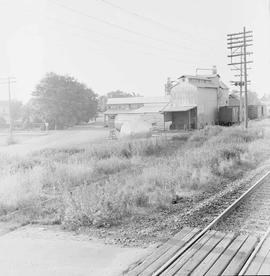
(107, 184)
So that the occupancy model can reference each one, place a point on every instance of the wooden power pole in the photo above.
(237, 44)
(8, 81)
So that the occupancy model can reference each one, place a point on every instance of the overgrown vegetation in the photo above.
(104, 183)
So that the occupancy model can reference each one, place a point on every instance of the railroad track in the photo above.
(253, 192)
(248, 214)
(252, 216)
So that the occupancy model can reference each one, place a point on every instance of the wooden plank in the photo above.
(254, 253)
(188, 254)
(161, 250)
(199, 256)
(143, 264)
(214, 255)
(169, 253)
(220, 265)
(241, 256)
(257, 262)
(265, 268)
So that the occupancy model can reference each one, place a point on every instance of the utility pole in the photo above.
(9, 108)
(237, 44)
(8, 81)
(241, 90)
(245, 73)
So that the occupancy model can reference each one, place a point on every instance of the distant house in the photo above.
(4, 110)
(267, 107)
(266, 102)
(191, 102)
(148, 108)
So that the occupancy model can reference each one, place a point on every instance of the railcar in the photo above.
(228, 115)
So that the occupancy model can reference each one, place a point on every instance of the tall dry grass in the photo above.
(105, 182)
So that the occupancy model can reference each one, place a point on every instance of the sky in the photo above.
(133, 46)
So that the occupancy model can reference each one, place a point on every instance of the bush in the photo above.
(110, 165)
(20, 190)
(204, 134)
(236, 135)
(181, 137)
(127, 149)
(96, 204)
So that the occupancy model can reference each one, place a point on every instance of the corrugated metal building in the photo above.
(193, 102)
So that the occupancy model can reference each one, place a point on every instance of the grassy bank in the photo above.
(106, 183)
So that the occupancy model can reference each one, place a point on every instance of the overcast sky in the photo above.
(134, 48)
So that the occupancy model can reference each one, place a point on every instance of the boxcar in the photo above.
(253, 112)
(256, 111)
(228, 115)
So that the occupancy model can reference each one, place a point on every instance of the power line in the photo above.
(109, 36)
(139, 16)
(145, 18)
(116, 25)
(146, 53)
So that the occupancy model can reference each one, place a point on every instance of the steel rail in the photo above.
(254, 253)
(219, 218)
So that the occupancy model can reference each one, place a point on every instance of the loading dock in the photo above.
(182, 117)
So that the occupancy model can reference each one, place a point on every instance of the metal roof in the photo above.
(137, 100)
(177, 108)
(223, 85)
(115, 112)
(149, 108)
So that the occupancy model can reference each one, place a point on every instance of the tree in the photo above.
(62, 101)
(121, 94)
(16, 110)
(253, 98)
(102, 101)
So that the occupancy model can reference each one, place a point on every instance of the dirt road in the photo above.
(40, 251)
(27, 142)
